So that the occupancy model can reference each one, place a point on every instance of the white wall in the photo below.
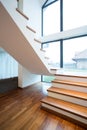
(26, 78)
(32, 9)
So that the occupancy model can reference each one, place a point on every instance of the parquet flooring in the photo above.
(20, 109)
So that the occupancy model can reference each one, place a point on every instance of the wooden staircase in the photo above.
(67, 97)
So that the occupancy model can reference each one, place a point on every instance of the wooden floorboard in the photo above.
(20, 109)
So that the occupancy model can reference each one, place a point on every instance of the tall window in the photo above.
(53, 52)
(67, 14)
(51, 24)
(75, 53)
(74, 50)
(51, 18)
(74, 13)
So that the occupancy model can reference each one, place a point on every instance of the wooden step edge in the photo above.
(19, 11)
(69, 94)
(53, 69)
(70, 75)
(42, 50)
(37, 40)
(79, 84)
(66, 117)
(63, 108)
(46, 57)
(31, 29)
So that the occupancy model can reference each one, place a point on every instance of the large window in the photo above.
(51, 24)
(62, 15)
(74, 13)
(75, 53)
(53, 52)
(51, 18)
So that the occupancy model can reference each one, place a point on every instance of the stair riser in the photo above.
(70, 87)
(66, 113)
(68, 98)
(76, 79)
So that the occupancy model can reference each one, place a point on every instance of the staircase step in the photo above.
(68, 95)
(71, 93)
(46, 57)
(71, 85)
(75, 78)
(31, 29)
(19, 11)
(43, 50)
(68, 82)
(52, 70)
(38, 41)
(70, 75)
(73, 108)
(73, 111)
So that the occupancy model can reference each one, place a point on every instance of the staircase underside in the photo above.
(15, 43)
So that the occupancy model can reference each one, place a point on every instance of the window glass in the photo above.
(53, 53)
(51, 24)
(75, 53)
(20, 5)
(74, 13)
(51, 19)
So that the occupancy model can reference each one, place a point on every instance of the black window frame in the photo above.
(61, 29)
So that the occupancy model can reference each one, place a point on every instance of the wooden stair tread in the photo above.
(37, 40)
(53, 69)
(31, 29)
(19, 11)
(70, 82)
(66, 106)
(70, 75)
(43, 50)
(71, 93)
(46, 57)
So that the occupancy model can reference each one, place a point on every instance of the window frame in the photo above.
(61, 29)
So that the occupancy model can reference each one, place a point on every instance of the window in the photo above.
(51, 18)
(75, 53)
(53, 52)
(74, 13)
(63, 15)
(20, 5)
(51, 24)
(74, 50)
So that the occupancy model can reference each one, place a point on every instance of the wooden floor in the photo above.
(20, 109)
